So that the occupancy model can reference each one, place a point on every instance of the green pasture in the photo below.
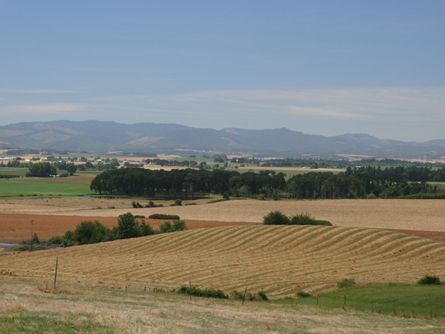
(13, 171)
(30, 186)
(396, 299)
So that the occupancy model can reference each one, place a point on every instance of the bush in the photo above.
(345, 283)
(263, 296)
(209, 293)
(136, 205)
(303, 294)
(250, 296)
(89, 232)
(430, 280)
(276, 218)
(56, 241)
(127, 227)
(178, 225)
(164, 216)
(165, 227)
(279, 218)
(152, 204)
(306, 219)
(146, 229)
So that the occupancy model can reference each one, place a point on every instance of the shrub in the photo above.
(165, 227)
(279, 218)
(306, 219)
(164, 216)
(146, 229)
(139, 216)
(276, 218)
(136, 205)
(263, 296)
(303, 294)
(345, 283)
(178, 225)
(430, 280)
(127, 227)
(209, 293)
(89, 232)
(56, 240)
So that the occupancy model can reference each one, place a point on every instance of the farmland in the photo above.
(391, 214)
(15, 228)
(278, 260)
(62, 186)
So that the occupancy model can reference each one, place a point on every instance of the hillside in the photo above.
(101, 137)
(281, 260)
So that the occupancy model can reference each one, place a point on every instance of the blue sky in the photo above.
(325, 67)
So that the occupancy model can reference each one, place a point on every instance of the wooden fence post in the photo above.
(55, 273)
(244, 296)
(190, 290)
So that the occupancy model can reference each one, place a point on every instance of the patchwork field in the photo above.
(281, 260)
(425, 215)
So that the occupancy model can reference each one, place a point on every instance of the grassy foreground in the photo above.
(19, 321)
(396, 299)
(26, 308)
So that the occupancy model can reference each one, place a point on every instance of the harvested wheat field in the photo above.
(425, 215)
(281, 260)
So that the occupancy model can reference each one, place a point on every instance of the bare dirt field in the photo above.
(16, 228)
(281, 260)
(425, 215)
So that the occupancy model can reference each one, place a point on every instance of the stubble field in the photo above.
(428, 215)
(279, 260)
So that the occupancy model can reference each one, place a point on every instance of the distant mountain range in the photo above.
(102, 137)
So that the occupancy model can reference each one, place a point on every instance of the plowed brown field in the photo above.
(16, 228)
(280, 260)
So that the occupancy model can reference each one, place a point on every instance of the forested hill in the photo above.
(102, 137)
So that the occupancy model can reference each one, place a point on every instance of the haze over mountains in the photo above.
(102, 137)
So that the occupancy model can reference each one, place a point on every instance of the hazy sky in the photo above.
(325, 67)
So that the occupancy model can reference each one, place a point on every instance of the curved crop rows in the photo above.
(280, 260)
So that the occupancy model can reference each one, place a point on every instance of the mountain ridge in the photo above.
(106, 136)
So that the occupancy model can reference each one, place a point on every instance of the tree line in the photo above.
(353, 183)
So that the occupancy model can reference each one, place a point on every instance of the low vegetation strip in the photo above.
(279, 260)
(398, 299)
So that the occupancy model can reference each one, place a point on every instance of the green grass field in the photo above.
(33, 186)
(19, 321)
(13, 171)
(398, 299)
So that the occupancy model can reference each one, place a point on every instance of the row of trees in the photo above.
(137, 182)
(46, 169)
(354, 183)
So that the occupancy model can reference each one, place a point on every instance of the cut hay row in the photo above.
(281, 260)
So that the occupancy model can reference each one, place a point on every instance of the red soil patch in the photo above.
(433, 235)
(16, 228)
